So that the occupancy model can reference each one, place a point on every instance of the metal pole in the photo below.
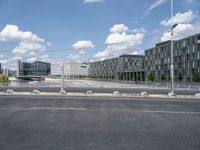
(62, 77)
(172, 52)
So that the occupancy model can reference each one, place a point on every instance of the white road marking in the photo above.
(170, 112)
(56, 108)
(45, 108)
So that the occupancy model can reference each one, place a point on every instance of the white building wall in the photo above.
(71, 69)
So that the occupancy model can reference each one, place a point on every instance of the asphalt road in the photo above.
(75, 123)
(103, 90)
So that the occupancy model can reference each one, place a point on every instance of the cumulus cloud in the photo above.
(139, 30)
(74, 57)
(179, 18)
(83, 45)
(121, 43)
(32, 59)
(92, 1)
(30, 46)
(12, 33)
(26, 47)
(156, 4)
(187, 25)
(119, 28)
(40, 58)
(180, 31)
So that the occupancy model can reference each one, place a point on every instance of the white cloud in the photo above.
(188, 24)
(73, 57)
(119, 28)
(121, 43)
(49, 44)
(12, 33)
(179, 18)
(83, 45)
(82, 52)
(44, 58)
(180, 31)
(32, 59)
(156, 4)
(1, 56)
(92, 1)
(30, 46)
(139, 30)
(26, 47)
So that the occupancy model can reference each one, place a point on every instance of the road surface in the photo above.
(89, 123)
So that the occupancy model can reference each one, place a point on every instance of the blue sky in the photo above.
(59, 30)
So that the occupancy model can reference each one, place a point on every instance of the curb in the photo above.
(122, 95)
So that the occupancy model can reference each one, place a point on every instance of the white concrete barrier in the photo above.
(62, 92)
(35, 92)
(116, 93)
(144, 93)
(197, 95)
(89, 93)
(171, 94)
(9, 91)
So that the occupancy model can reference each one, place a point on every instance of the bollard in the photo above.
(144, 94)
(62, 92)
(89, 93)
(197, 94)
(171, 94)
(116, 93)
(9, 91)
(35, 92)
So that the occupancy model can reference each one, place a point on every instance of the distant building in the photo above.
(124, 67)
(71, 69)
(36, 68)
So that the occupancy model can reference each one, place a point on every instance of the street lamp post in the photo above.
(62, 91)
(172, 54)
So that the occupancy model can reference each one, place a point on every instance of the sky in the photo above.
(82, 30)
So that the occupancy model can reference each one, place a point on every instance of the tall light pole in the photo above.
(62, 91)
(172, 52)
(172, 59)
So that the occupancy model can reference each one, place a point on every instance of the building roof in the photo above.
(131, 56)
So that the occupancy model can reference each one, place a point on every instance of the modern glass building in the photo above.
(36, 68)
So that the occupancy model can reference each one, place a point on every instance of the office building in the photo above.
(36, 68)
(186, 59)
(72, 69)
(124, 67)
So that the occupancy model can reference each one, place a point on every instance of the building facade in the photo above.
(36, 68)
(186, 59)
(124, 67)
(71, 69)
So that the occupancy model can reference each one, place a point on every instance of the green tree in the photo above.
(180, 77)
(163, 77)
(3, 78)
(196, 77)
(151, 77)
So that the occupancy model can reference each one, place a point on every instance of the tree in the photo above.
(180, 77)
(151, 77)
(163, 77)
(196, 77)
(4, 78)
